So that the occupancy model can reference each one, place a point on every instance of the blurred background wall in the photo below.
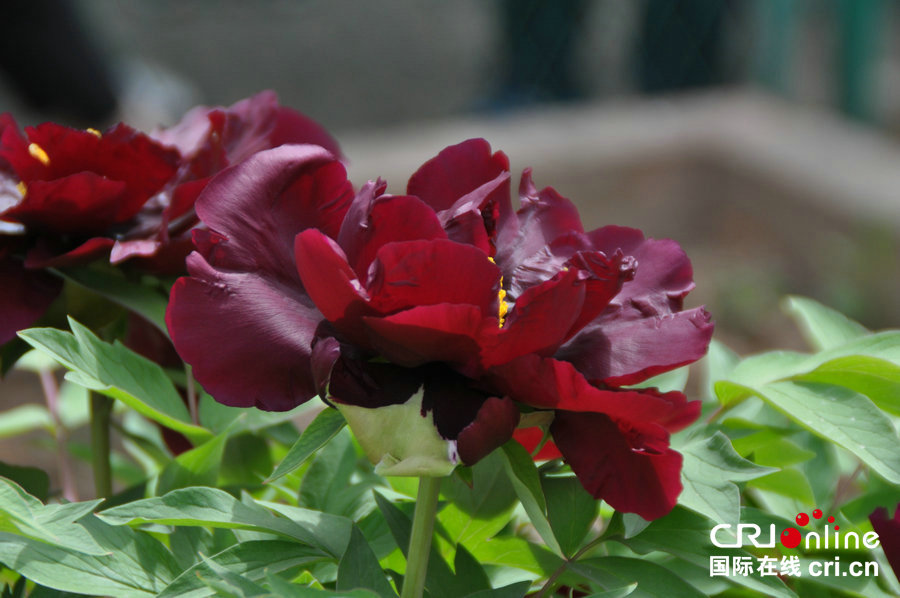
(757, 133)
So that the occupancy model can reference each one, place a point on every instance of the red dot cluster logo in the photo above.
(792, 537)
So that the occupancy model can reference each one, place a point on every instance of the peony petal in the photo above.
(531, 438)
(473, 218)
(261, 204)
(331, 284)
(247, 335)
(492, 427)
(630, 351)
(553, 384)
(888, 531)
(457, 171)
(443, 332)
(46, 254)
(631, 467)
(544, 216)
(25, 297)
(539, 322)
(375, 220)
(413, 273)
(85, 203)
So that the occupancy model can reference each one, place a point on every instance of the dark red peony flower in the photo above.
(70, 197)
(888, 531)
(432, 319)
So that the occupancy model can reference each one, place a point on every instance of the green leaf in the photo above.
(225, 582)
(109, 282)
(360, 569)
(34, 481)
(332, 531)
(823, 327)
(479, 511)
(214, 508)
(470, 571)
(527, 483)
(787, 482)
(135, 564)
(246, 461)
(654, 581)
(843, 417)
(617, 593)
(710, 468)
(571, 511)
(876, 378)
(515, 590)
(770, 448)
(672, 380)
(439, 579)
(685, 535)
(24, 418)
(757, 370)
(252, 559)
(322, 429)
(117, 372)
(24, 515)
(513, 551)
(196, 467)
(285, 589)
(718, 364)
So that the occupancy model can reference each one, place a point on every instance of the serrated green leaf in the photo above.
(196, 467)
(685, 535)
(109, 282)
(770, 448)
(710, 468)
(439, 579)
(332, 531)
(285, 589)
(253, 559)
(787, 482)
(359, 569)
(654, 581)
(823, 327)
(135, 566)
(23, 514)
(321, 430)
(843, 417)
(570, 510)
(479, 511)
(117, 372)
(527, 483)
(211, 507)
(225, 582)
(876, 378)
(32, 480)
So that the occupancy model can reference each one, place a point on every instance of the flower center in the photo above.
(95, 133)
(502, 305)
(38, 153)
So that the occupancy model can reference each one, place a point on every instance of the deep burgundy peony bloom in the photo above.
(432, 319)
(70, 197)
(888, 531)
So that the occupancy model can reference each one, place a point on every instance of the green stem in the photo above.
(420, 539)
(101, 411)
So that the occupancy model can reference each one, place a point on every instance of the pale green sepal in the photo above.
(400, 440)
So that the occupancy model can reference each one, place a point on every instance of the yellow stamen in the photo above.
(22, 188)
(503, 306)
(95, 133)
(38, 153)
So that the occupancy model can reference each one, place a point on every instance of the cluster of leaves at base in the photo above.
(256, 509)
